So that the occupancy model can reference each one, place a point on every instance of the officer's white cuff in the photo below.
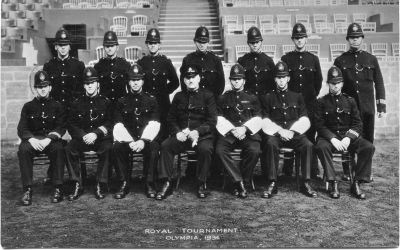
(56, 134)
(104, 130)
(269, 127)
(223, 125)
(254, 124)
(151, 130)
(301, 125)
(121, 134)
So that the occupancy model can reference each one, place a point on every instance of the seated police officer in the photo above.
(339, 127)
(238, 123)
(284, 124)
(136, 126)
(191, 122)
(41, 126)
(89, 123)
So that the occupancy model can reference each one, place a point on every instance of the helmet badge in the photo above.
(280, 67)
(355, 27)
(335, 73)
(298, 28)
(135, 69)
(63, 35)
(153, 33)
(41, 77)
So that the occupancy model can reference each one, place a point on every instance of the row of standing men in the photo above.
(360, 74)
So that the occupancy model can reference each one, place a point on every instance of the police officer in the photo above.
(305, 78)
(238, 123)
(137, 123)
(160, 79)
(361, 75)
(339, 128)
(258, 65)
(191, 122)
(40, 128)
(89, 124)
(284, 124)
(211, 71)
(112, 70)
(65, 72)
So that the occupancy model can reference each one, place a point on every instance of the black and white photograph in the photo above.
(206, 124)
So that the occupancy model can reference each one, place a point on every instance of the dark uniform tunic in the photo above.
(338, 117)
(135, 111)
(284, 108)
(196, 111)
(160, 80)
(112, 77)
(90, 115)
(239, 107)
(259, 73)
(41, 118)
(212, 73)
(66, 77)
(305, 78)
(361, 75)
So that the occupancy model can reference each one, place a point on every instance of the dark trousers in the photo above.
(171, 147)
(368, 126)
(249, 156)
(150, 154)
(76, 147)
(364, 150)
(270, 154)
(55, 152)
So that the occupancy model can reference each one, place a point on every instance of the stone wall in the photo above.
(15, 91)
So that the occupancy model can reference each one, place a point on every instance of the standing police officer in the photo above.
(40, 128)
(112, 70)
(65, 72)
(284, 124)
(160, 77)
(258, 65)
(238, 123)
(191, 122)
(89, 124)
(211, 71)
(136, 126)
(361, 75)
(339, 129)
(306, 79)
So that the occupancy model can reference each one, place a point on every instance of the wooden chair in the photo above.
(100, 52)
(342, 157)
(337, 49)
(240, 50)
(133, 52)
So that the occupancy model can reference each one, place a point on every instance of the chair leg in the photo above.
(83, 173)
(297, 162)
(253, 187)
(179, 170)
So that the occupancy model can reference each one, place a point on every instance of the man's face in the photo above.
(43, 91)
(91, 88)
(202, 47)
(192, 83)
(153, 47)
(355, 42)
(335, 89)
(237, 84)
(282, 82)
(111, 50)
(136, 85)
(300, 42)
(255, 46)
(63, 50)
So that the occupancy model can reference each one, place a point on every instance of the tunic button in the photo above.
(358, 91)
(42, 104)
(137, 118)
(255, 75)
(255, 58)
(63, 100)
(43, 122)
(338, 118)
(284, 113)
(135, 99)
(301, 84)
(91, 101)
(337, 131)
(301, 75)
(284, 122)
(202, 59)
(356, 55)
(300, 66)
(62, 91)
(337, 100)
(356, 81)
(62, 82)
(202, 76)
(112, 90)
(112, 64)
(153, 61)
(357, 73)
(154, 79)
(301, 57)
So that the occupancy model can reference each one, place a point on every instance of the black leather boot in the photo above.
(123, 191)
(334, 190)
(271, 190)
(355, 189)
(27, 197)
(78, 191)
(165, 191)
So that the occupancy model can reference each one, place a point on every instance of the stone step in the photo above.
(188, 41)
(164, 28)
(178, 11)
(185, 19)
(209, 15)
(190, 46)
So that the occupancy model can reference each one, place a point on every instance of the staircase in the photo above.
(178, 22)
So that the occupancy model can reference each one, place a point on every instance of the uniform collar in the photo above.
(63, 60)
(42, 100)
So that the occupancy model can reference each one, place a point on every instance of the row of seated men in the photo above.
(160, 80)
(259, 127)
